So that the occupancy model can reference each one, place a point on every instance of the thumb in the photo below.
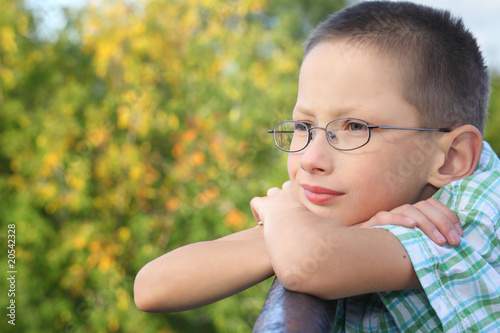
(253, 205)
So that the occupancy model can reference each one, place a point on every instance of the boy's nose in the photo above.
(317, 156)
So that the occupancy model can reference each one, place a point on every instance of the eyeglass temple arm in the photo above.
(273, 131)
(411, 128)
(385, 127)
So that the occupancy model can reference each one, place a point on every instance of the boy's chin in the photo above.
(340, 218)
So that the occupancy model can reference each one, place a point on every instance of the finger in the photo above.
(422, 222)
(443, 218)
(437, 223)
(287, 185)
(389, 218)
(404, 221)
(272, 190)
(449, 214)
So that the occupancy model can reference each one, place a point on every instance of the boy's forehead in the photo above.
(350, 52)
(346, 62)
(345, 78)
(340, 61)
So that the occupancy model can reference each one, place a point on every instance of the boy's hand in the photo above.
(431, 216)
(277, 202)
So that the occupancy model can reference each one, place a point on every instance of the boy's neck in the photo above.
(427, 192)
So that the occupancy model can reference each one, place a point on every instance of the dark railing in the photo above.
(288, 311)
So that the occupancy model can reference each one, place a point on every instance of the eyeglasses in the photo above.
(342, 134)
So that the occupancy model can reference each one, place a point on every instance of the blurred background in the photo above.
(130, 128)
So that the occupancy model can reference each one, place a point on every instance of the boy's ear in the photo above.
(458, 155)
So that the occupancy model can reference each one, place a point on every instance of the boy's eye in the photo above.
(355, 126)
(301, 127)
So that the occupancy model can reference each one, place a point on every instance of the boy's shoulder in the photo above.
(479, 192)
(489, 162)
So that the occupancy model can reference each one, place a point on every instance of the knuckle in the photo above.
(421, 204)
(380, 217)
(271, 190)
(434, 201)
(254, 201)
(407, 207)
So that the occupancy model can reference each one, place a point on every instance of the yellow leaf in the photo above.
(210, 194)
(51, 159)
(79, 242)
(135, 172)
(173, 204)
(15, 166)
(123, 117)
(75, 182)
(123, 299)
(189, 135)
(106, 263)
(173, 122)
(7, 78)
(41, 141)
(235, 219)
(46, 191)
(113, 325)
(178, 150)
(198, 158)
(7, 39)
(201, 179)
(94, 246)
(124, 234)
(76, 270)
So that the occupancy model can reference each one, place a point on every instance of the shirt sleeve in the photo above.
(462, 284)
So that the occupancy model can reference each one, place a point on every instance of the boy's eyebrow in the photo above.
(302, 111)
(344, 112)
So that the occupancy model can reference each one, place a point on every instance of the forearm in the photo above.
(202, 273)
(315, 255)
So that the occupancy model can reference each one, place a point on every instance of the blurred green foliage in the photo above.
(140, 129)
(492, 134)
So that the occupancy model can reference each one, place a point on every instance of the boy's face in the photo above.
(339, 80)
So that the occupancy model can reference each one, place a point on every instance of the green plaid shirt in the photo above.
(461, 285)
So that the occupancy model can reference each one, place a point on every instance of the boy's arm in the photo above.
(202, 273)
(315, 255)
(330, 261)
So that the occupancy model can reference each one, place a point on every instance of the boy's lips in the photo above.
(319, 195)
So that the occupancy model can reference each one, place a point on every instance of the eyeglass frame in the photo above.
(370, 127)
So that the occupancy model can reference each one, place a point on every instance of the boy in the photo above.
(352, 62)
(348, 176)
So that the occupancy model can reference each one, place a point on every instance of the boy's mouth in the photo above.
(319, 195)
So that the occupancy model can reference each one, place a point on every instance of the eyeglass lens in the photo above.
(343, 134)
